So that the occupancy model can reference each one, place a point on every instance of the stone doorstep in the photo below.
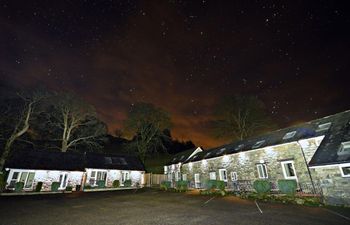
(35, 193)
(110, 189)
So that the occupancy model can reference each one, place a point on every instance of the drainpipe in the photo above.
(307, 167)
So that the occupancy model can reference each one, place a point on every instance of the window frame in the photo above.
(184, 177)
(283, 163)
(341, 170)
(264, 168)
(234, 176)
(20, 173)
(210, 175)
(221, 175)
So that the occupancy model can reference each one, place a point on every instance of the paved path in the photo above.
(154, 207)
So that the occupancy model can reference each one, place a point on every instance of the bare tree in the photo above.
(147, 123)
(240, 117)
(75, 122)
(21, 119)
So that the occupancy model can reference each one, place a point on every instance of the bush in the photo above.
(220, 184)
(87, 187)
(38, 186)
(210, 184)
(262, 186)
(165, 185)
(19, 186)
(288, 187)
(116, 183)
(101, 183)
(127, 183)
(69, 188)
(55, 186)
(182, 185)
(2, 182)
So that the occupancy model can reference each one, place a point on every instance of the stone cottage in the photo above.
(316, 154)
(173, 168)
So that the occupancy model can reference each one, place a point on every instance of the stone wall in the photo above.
(245, 163)
(336, 189)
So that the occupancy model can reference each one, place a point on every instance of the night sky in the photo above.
(182, 56)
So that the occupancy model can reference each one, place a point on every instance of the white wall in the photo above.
(112, 175)
(48, 176)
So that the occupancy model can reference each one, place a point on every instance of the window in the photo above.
(289, 135)
(208, 154)
(197, 178)
(262, 171)
(223, 174)
(345, 170)
(184, 177)
(29, 180)
(26, 177)
(177, 176)
(344, 148)
(14, 179)
(96, 176)
(220, 151)
(125, 176)
(212, 176)
(234, 176)
(258, 144)
(323, 126)
(288, 170)
(239, 147)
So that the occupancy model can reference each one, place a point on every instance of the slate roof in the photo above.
(47, 160)
(181, 156)
(111, 161)
(336, 129)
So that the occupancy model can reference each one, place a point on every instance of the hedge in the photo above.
(69, 188)
(262, 186)
(288, 187)
(215, 184)
(182, 185)
(165, 185)
(2, 182)
(55, 186)
(127, 183)
(116, 183)
(101, 183)
(19, 186)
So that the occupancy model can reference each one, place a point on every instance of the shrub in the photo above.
(55, 186)
(87, 187)
(101, 183)
(210, 184)
(38, 186)
(182, 185)
(288, 187)
(69, 188)
(19, 186)
(116, 183)
(2, 182)
(165, 185)
(220, 184)
(262, 186)
(127, 183)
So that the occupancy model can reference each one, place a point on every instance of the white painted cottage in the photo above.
(31, 167)
(71, 169)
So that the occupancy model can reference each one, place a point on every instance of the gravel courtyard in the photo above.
(152, 207)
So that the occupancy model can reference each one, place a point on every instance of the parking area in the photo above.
(149, 206)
